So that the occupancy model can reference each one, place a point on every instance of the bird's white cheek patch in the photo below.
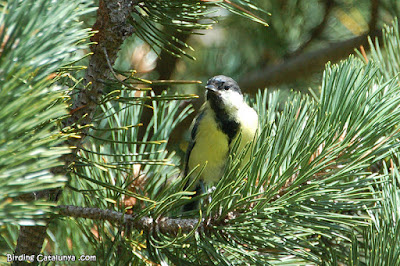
(232, 101)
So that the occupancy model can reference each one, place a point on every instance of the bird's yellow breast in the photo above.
(212, 146)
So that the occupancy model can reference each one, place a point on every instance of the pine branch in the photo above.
(113, 28)
(324, 202)
(33, 48)
(164, 225)
(379, 244)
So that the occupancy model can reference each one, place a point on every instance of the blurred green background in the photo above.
(238, 48)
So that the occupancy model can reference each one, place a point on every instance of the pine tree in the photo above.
(322, 186)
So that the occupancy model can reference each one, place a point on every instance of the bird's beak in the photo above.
(211, 88)
(212, 92)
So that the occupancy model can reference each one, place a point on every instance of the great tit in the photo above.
(222, 117)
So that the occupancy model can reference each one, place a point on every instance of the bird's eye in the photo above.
(226, 87)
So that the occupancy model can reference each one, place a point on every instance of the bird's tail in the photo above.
(192, 205)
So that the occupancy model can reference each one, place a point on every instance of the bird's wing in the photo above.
(192, 205)
(192, 142)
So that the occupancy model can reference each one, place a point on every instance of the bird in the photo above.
(222, 118)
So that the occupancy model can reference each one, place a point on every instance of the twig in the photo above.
(115, 74)
(164, 225)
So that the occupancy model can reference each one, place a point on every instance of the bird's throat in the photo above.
(225, 120)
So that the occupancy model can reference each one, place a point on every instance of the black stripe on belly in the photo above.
(226, 123)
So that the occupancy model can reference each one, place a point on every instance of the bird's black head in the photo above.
(224, 95)
(222, 83)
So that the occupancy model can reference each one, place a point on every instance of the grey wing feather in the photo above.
(193, 204)
(192, 140)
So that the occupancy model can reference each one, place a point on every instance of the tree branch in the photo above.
(303, 65)
(164, 225)
(113, 28)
